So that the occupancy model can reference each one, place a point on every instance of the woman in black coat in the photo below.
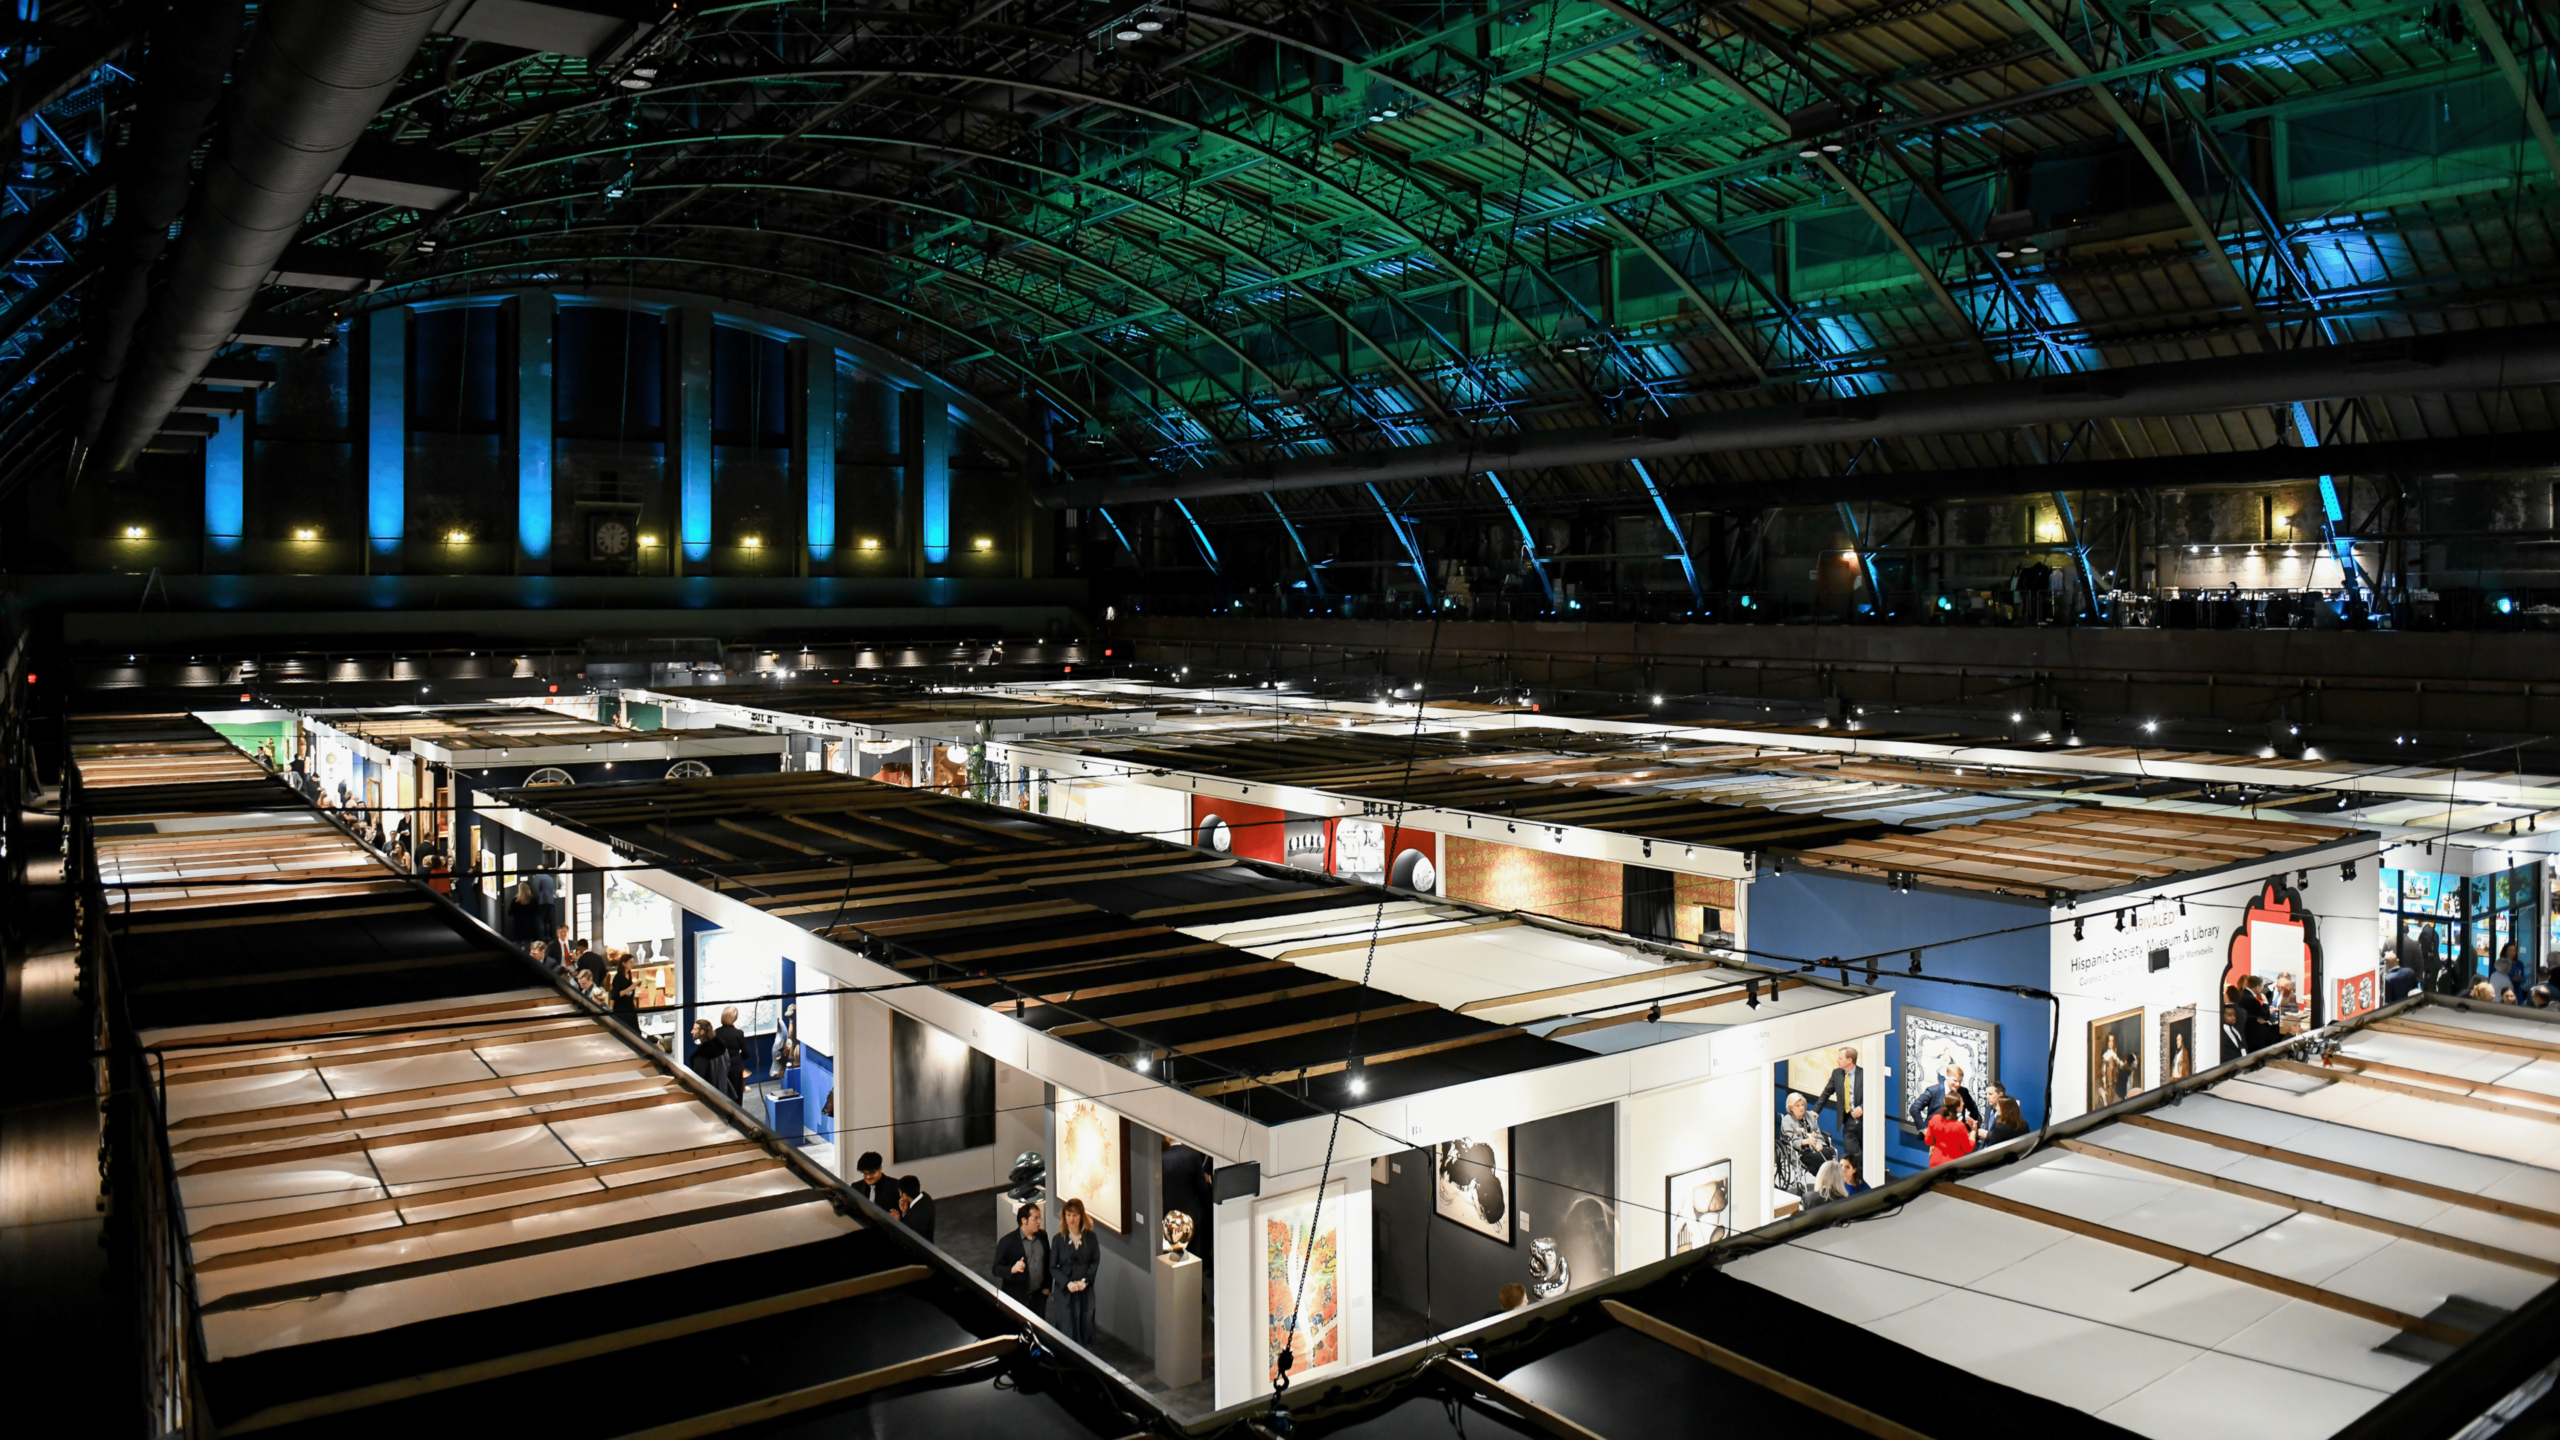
(1075, 1259)
(1022, 1261)
(625, 987)
(708, 1057)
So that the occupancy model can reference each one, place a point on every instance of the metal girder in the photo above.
(1671, 523)
(1528, 538)
(1315, 577)
(2493, 35)
(1214, 235)
(2131, 129)
(1404, 537)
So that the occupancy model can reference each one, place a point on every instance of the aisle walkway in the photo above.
(49, 1218)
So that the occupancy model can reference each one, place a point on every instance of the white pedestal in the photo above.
(1178, 1320)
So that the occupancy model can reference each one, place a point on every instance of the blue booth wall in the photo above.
(1811, 915)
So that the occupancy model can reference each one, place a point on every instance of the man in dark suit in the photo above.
(1846, 1093)
(1950, 1082)
(873, 1186)
(914, 1206)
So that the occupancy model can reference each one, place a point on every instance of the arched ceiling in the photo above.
(1269, 230)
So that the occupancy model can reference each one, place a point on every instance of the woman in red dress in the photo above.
(1949, 1137)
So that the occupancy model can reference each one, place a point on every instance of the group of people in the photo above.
(2418, 963)
(1812, 1165)
(724, 1055)
(903, 1197)
(1955, 1124)
(2253, 1013)
(1031, 1265)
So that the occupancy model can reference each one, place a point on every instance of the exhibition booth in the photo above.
(2134, 923)
(1526, 1103)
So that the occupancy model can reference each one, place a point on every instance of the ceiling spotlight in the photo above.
(1149, 21)
(2006, 254)
(1751, 993)
(1915, 962)
(1128, 35)
(2026, 249)
(1830, 147)
(1808, 153)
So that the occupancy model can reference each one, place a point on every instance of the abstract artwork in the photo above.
(2177, 1050)
(1302, 1276)
(1932, 1041)
(1093, 1155)
(942, 1093)
(2115, 1058)
(1471, 1183)
(1699, 1207)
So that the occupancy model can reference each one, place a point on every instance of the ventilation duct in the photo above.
(2520, 357)
(316, 74)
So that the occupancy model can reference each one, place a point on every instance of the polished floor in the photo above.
(63, 1316)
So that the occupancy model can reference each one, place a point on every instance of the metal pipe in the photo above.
(316, 74)
(2518, 357)
(181, 82)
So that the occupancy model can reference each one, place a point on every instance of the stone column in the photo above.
(225, 492)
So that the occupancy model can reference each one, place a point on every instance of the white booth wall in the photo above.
(2106, 973)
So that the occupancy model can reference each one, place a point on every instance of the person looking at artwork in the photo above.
(741, 1051)
(1950, 1086)
(1022, 1261)
(875, 1187)
(2399, 982)
(625, 989)
(1830, 1184)
(1075, 1260)
(914, 1206)
(704, 1059)
(1802, 1147)
(1950, 1138)
(1845, 1094)
(2502, 974)
(2008, 1122)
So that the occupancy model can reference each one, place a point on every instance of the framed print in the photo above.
(1932, 1041)
(2177, 1052)
(2115, 1058)
(1471, 1183)
(1093, 1160)
(1698, 1207)
(1302, 1276)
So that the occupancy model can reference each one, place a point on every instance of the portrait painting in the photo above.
(1698, 1207)
(2115, 1058)
(1471, 1183)
(2177, 1045)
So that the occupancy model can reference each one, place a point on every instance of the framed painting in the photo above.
(942, 1093)
(1302, 1281)
(1093, 1160)
(2177, 1044)
(1471, 1183)
(1931, 1042)
(2115, 1058)
(1698, 1207)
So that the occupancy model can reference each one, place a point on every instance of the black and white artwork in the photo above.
(1932, 1041)
(1472, 1183)
(942, 1093)
(1698, 1206)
